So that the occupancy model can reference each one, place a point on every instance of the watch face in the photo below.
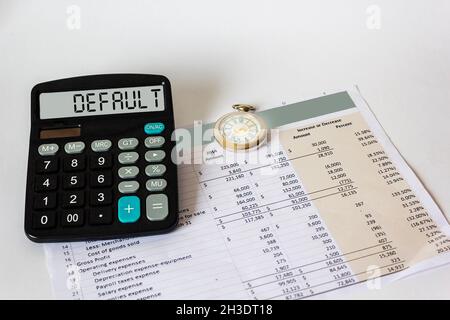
(240, 130)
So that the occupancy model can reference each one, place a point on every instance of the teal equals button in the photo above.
(129, 209)
(154, 128)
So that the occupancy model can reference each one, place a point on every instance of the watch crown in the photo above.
(243, 107)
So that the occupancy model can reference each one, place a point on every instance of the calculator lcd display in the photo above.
(86, 103)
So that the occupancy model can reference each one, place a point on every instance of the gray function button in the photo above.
(48, 149)
(154, 142)
(101, 145)
(128, 186)
(156, 207)
(128, 143)
(128, 157)
(74, 147)
(154, 185)
(155, 170)
(154, 155)
(128, 172)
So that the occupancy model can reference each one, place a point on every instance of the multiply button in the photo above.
(128, 143)
(128, 172)
(129, 209)
(74, 147)
(155, 170)
(101, 145)
(154, 142)
(154, 155)
(49, 149)
(128, 157)
(157, 208)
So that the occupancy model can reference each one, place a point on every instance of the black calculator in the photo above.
(99, 164)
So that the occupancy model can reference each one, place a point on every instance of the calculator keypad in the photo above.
(101, 183)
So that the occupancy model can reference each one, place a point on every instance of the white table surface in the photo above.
(258, 52)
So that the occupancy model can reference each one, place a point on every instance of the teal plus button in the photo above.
(129, 209)
(154, 128)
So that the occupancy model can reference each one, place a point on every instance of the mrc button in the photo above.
(101, 145)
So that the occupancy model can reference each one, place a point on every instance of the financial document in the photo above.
(328, 206)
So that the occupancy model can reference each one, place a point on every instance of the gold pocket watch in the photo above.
(240, 130)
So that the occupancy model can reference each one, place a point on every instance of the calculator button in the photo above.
(128, 186)
(72, 218)
(45, 183)
(101, 179)
(154, 142)
(128, 172)
(154, 155)
(101, 197)
(74, 147)
(101, 145)
(76, 163)
(128, 157)
(49, 149)
(154, 185)
(73, 199)
(44, 220)
(129, 209)
(100, 215)
(101, 161)
(155, 170)
(48, 165)
(128, 143)
(73, 181)
(157, 207)
(154, 128)
(45, 201)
